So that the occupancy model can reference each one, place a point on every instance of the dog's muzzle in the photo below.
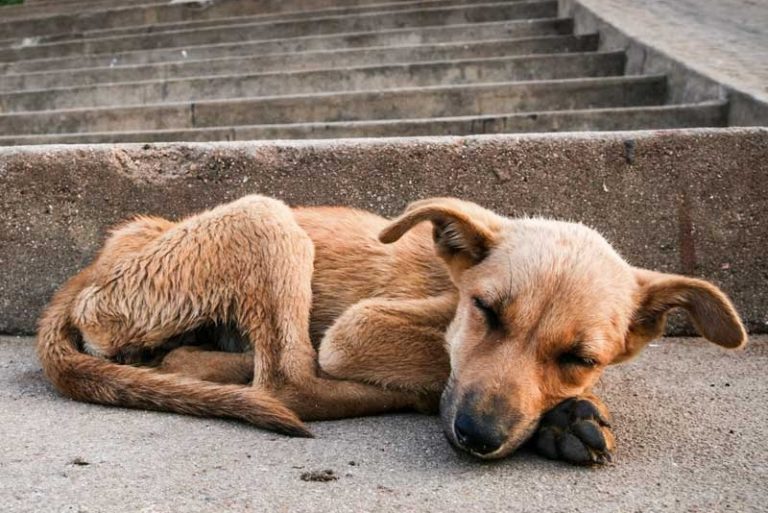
(483, 426)
(477, 435)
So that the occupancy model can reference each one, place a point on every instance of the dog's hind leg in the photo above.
(270, 280)
(216, 366)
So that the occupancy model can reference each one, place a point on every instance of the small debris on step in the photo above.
(319, 476)
(629, 151)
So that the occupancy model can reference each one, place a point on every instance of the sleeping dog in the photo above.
(271, 315)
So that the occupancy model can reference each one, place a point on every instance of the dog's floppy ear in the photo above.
(709, 308)
(463, 232)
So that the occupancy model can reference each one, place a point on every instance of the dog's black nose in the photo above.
(477, 437)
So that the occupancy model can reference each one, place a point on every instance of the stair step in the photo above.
(268, 30)
(502, 69)
(34, 7)
(159, 28)
(291, 54)
(25, 21)
(104, 70)
(424, 102)
(708, 114)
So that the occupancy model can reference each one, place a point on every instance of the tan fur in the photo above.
(391, 308)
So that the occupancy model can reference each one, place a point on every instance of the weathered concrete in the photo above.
(266, 60)
(368, 78)
(403, 103)
(682, 201)
(143, 12)
(25, 21)
(710, 114)
(29, 8)
(691, 422)
(707, 48)
(529, 36)
(155, 28)
(145, 80)
(293, 28)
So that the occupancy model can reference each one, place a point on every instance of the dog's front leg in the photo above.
(578, 431)
(396, 344)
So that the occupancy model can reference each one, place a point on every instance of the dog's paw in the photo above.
(577, 432)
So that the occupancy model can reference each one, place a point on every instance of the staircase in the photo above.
(75, 71)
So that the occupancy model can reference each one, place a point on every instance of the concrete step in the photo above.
(500, 69)
(640, 189)
(156, 28)
(25, 21)
(413, 103)
(32, 8)
(71, 4)
(521, 38)
(222, 59)
(163, 10)
(707, 114)
(292, 28)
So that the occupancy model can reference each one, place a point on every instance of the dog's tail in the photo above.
(93, 379)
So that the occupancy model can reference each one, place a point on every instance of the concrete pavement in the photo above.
(691, 421)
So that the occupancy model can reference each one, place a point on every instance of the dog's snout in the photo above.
(476, 435)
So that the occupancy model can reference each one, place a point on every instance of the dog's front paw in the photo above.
(577, 432)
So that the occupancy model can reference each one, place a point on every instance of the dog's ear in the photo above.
(463, 232)
(709, 308)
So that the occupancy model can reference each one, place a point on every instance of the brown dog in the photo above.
(530, 311)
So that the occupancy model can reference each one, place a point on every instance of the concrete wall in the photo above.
(679, 201)
(685, 84)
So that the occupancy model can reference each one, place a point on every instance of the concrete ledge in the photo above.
(682, 201)
(658, 117)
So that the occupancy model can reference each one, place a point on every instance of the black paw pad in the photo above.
(574, 431)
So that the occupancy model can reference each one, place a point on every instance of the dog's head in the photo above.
(544, 306)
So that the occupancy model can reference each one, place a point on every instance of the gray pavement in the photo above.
(691, 421)
(726, 40)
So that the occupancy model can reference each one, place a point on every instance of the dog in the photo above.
(274, 316)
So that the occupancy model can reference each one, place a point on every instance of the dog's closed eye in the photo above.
(492, 318)
(573, 357)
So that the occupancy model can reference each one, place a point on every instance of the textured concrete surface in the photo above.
(154, 80)
(319, 52)
(682, 201)
(658, 117)
(26, 20)
(707, 48)
(359, 22)
(726, 39)
(690, 419)
(535, 47)
(371, 77)
(401, 103)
